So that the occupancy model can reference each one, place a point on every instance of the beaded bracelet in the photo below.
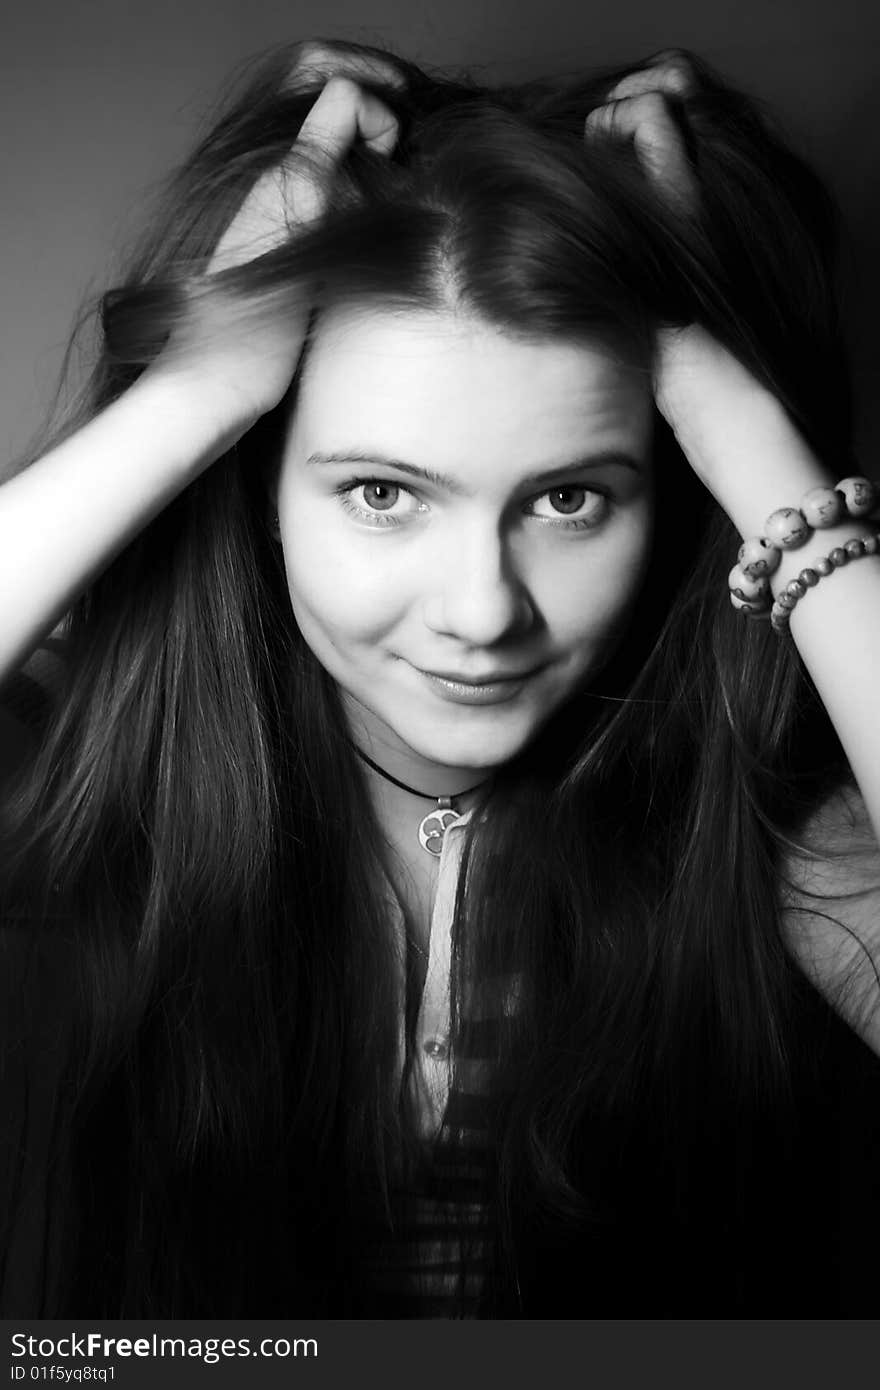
(793, 592)
(788, 529)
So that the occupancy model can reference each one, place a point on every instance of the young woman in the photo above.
(425, 892)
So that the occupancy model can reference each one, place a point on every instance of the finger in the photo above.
(647, 121)
(672, 77)
(378, 127)
(674, 57)
(258, 226)
(318, 62)
(342, 112)
(292, 193)
(670, 71)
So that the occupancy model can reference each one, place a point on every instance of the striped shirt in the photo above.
(433, 1260)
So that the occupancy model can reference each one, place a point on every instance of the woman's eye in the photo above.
(379, 497)
(570, 503)
(382, 503)
(378, 503)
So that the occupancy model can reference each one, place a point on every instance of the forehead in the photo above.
(445, 386)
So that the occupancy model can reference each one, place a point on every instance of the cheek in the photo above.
(332, 591)
(586, 597)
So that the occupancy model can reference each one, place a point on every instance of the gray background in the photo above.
(98, 98)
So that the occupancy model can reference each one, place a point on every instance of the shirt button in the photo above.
(436, 1048)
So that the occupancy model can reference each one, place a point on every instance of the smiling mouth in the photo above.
(491, 690)
(470, 683)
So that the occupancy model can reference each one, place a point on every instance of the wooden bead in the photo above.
(738, 582)
(823, 565)
(859, 495)
(779, 620)
(855, 549)
(785, 600)
(809, 577)
(871, 544)
(796, 588)
(838, 557)
(758, 558)
(822, 506)
(750, 606)
(786, 528)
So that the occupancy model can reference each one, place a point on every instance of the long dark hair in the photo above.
(204, 824)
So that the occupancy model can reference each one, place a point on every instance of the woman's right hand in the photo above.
(65, 517)
(254, 368)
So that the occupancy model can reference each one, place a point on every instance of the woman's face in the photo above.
(465, 519)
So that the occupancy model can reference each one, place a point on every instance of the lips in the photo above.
(491, 688)
(487, 678)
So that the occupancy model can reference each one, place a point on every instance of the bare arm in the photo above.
(740, 442)
(63, 519)
(830, 900)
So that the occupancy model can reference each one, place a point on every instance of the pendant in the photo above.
(435, 824)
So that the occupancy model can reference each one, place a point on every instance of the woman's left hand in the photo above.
(727, 423)
(741, 442)
(640, 108)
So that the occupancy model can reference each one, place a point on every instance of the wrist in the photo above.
(819, 546)
(196, 409)
(752, 459)
(798, 546)
(203, 400)
(735, 433)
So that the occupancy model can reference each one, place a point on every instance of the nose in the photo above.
(476, 595)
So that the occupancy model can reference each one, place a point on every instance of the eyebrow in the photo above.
(601, 459)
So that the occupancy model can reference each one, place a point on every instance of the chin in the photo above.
(477, 748)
